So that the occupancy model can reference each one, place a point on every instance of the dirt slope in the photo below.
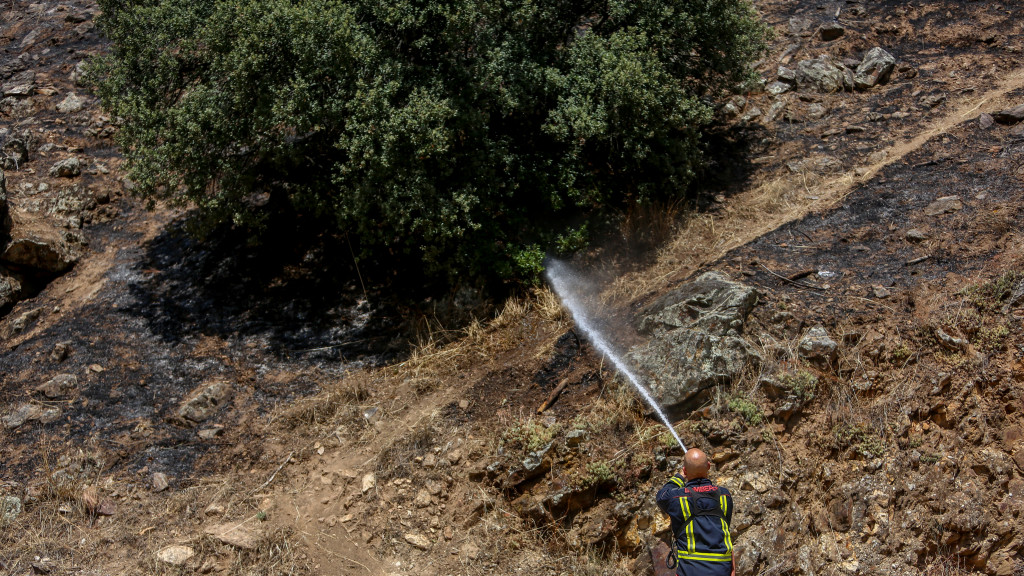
(326, 455)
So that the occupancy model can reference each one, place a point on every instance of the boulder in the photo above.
(21, 414)
(204, 402)
(696, 341)
(820, 74)
(66, 168)
(1010, 115)
(831, 31)
(45, 253)
(874, 69)
(817, 346)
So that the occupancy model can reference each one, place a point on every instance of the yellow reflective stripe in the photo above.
(726, 535)
(676, 481)
(682, 506)
(724, 505)
(705, 556)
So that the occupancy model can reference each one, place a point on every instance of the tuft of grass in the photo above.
(993, 338)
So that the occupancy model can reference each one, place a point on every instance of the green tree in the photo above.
(464, 134)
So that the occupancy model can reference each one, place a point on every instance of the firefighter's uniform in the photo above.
(701, 513)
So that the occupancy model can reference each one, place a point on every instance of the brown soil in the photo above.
(868, 477)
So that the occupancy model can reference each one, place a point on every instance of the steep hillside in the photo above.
(171, 407)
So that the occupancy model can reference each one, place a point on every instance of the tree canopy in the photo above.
(472, 135)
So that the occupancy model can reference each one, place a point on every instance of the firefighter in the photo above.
(700, 513)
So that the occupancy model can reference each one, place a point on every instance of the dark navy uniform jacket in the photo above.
(703, 544)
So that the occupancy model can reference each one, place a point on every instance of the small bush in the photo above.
(746, 408)
(529, 436)
(992, 338)
(860, 438)
(989, 296)
(598, 474)
(803, 383)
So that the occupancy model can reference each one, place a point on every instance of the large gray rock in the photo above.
(874, 69)
(48, 255)
(820, 74)
(696, 340)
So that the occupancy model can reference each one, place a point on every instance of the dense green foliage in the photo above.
(464, 133)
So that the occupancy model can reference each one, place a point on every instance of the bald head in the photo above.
(695, 464)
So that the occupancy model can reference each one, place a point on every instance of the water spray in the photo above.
(561, 278)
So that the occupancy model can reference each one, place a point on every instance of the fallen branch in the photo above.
(554, 396)
(272, 476)
(917, 260)
(794, 282)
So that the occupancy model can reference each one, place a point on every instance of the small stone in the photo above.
(455, 456)
(418, 541)
(985, 121)
(19, 85)
(449, 533)
(347, 518)
(204, 402)
(880, 291)
(944, 205)
(21, 414)
(463, 404)
(816, 111)
(70, 104)
(575, 438)
(369, 482)
(214, 509)
(60, 352)
(234, 534)
(429, 461)
(175, 555)
(59, 385)
(422, 499)
(776, 88)
(917, 235)
(67, 168)
(817, 345)
(211, 433)
(158, 482)
(932, 100)
(106, 508)
(950, 342)
(830, 31)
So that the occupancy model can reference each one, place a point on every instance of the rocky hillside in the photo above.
(847, 295)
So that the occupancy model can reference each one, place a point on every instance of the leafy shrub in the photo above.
(803, 383)
(458, 136)
(529, 436)
(862, 439)
(746, 408)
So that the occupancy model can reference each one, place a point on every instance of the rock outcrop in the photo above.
(696, 340)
